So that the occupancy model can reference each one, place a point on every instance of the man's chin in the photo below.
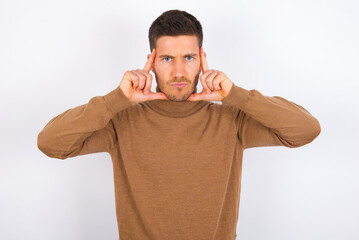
(177, 99)
(181, 98)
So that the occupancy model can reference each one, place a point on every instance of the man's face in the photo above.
(177, 61)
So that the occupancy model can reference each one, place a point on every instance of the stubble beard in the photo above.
(175, 98)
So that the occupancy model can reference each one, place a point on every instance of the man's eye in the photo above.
(189, 58)
(168, 58)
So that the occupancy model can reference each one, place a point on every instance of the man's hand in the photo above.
(216, 85)
(136, 84)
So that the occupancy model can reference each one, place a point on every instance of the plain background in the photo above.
(55, 55)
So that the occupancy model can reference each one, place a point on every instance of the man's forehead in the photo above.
(177, 45)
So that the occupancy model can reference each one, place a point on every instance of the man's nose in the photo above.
(179, 69)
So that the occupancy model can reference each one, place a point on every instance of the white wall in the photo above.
(55, 55)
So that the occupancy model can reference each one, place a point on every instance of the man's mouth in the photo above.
(179, 85)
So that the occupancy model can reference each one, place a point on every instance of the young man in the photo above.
(177, 156)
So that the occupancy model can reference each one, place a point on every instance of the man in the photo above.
(177, 156)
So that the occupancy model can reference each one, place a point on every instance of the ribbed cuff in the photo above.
(116, 100)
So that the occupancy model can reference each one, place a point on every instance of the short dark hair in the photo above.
(173, 23)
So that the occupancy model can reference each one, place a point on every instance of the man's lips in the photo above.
(181, 84)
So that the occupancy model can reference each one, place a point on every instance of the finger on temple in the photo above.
(204, 64)
(150, 61)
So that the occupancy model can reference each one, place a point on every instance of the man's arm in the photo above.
(264, 121)
(89, 128)
(84, 129)
(271, 121)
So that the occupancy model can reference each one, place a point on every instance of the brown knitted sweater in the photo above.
(177, 165)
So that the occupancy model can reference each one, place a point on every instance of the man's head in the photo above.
(177, 37)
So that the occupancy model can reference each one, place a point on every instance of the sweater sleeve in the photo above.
(271, 121)
(85, 129)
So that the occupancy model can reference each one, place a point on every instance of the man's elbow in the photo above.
(41, 142)
(45, 148)
(311, 132)
(317, 129)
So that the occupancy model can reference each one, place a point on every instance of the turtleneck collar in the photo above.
(175, 109)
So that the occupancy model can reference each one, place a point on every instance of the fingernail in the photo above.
(208, 91)
(146, 92)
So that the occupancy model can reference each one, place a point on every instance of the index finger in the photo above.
(204, 64)
(150, 61)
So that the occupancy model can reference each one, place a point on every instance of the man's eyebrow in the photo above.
(186, 55)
